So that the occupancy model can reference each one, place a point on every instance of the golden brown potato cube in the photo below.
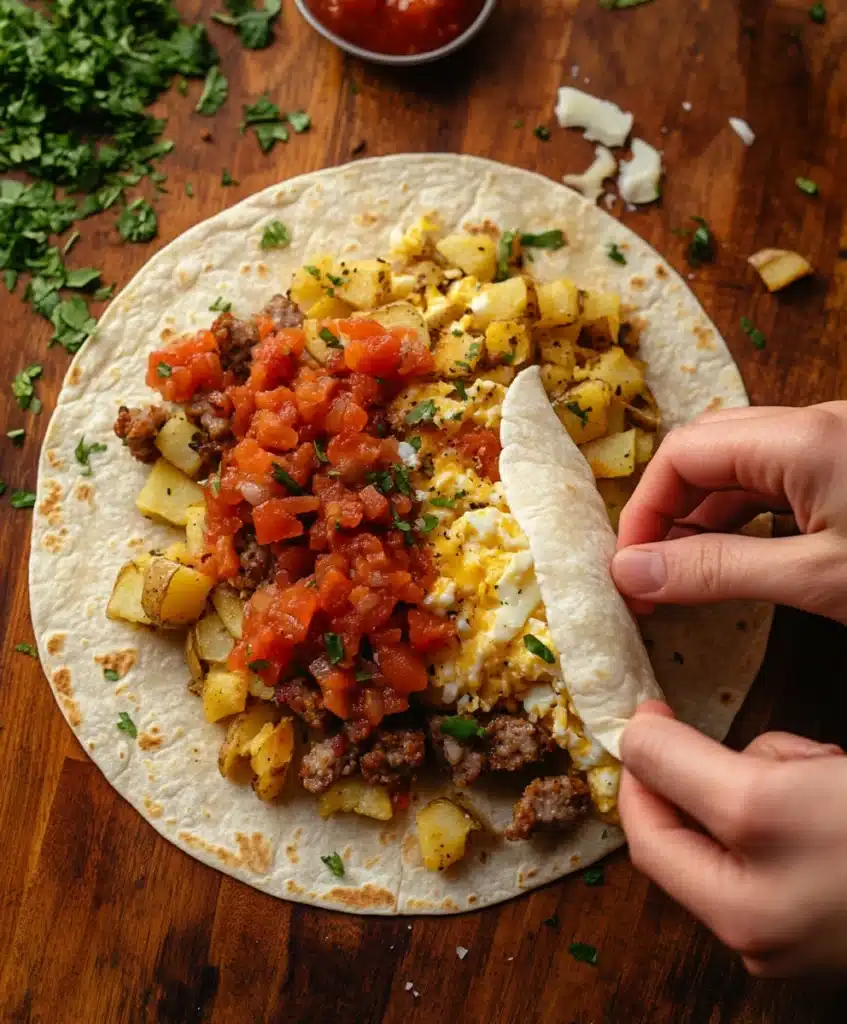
(472, 254)
(616, 423)
(195, 666)
(557, 347)
(508, 342)
(168, 494)
(317, 345)
(328, 306)
(457, 353)
(462, 292)
(558, 303)
(365, 284)
(233, 758)
(499, 374)
(270, 758)
(584, 410)
(214, 641)
(230, 607)
(643, 411)
(358, 796)
(615, 494)
(611, 456)
(625, 376)
(125, 602)
(555, 379)
(644, 447)
(173, 594)
(778, 268)
(224, 694)
(174, 442)
(403, 315)
(506, 300)
(443, 830)
(417, 239)
(310, 283)
(439, 309)
(601, 315)
(195, 530)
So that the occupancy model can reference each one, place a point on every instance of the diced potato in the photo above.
(555, 379)
(230, 607)
(509, 342)
(173, 595)
(473, 254)
(174, 442)
(616, 423)
(615, 494)
(232, 758)
(462, 292)
(643, 411)
(611, 456)
(506, 300)
(214, 641)
(624, 376)
(457, 353)
(318, 348)
(168, 494)
(224, 694)
(271, 758)
(402, 286)
(356, 795)
(256, 688)
(439, 309)
(178, 552)
(401, 314)
(558, 303)
(125, 602)
(195, 530)
(427, 275)
(255, 745)
(499, 374)
(365, 284)
(780, 267)
(443, 830)
(644, 447)
(557, 347)
(309, 286)
(601, 315)
(195, 666)
(584, 410)
(417, 239)
(328, 306)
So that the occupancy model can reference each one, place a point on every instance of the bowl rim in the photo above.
(396, 59)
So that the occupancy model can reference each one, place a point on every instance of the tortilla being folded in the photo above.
(84, 529)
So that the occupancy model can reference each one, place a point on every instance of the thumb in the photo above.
(804, 572)
(785, 746)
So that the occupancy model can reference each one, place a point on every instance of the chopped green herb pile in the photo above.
(276, 236)
(422, 412)
(807, 185)
(757, 339)
(26, 649)
(215, 92)
(138, 222)
(23, 388)
(126, 724)
(253, 25)
(335, 864)
(462, 728)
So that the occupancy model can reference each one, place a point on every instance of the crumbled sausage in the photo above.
(515, 742)
(235, 339)
(212, 414)
(326, 762)
(137, 428)
(305, 700)
(283, 312)
(553, 804)
(394, 756)
(466, 762)
(257, 562)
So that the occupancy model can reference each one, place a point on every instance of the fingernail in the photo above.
(639, 572)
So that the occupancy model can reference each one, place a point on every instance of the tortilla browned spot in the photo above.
(262, 269)
(167, 334)
(118, 661)
(660, 271)
(153, 808)
(705, 339)
(53, 459)
(150, 740)
(364, 898)
(56, 643)
(294, 888)
(64, 690)
(714, 404)
(51, 506)
(256, 853)
(53, 543)
(291, 853)
(84, 492)
(75, 376)
(487, 227)
(637, 282)
(388, 836)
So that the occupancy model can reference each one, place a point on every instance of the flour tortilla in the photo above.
(85, 528)
(551, 492)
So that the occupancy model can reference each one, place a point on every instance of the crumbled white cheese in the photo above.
(639, 179)
(603, 121)
(686, 106)
(539, 699)
(461, 952)
(408, 454)
(590, 182)
(409, 986)
(742, 130)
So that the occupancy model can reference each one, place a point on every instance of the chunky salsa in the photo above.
(397, 26)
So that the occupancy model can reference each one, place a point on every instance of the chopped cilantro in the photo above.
(164, 369)
(16, 436)
(262, 111)
(701, 248)
(138, 222)
(220, 305)
(315, 273)
(459, 386)
(22, 499)
(807, 185)
(182, 87)
(583, 952)
(73, 238)
(553, 239)
(594, 876)
(259, 665)
(269, 134)
(83, 453)
(401, 479)
(757, 338)
(282, 476)
(441, 501)
(577, 410)
(540, 650)
(326, 335)
(299, 121)
(320, 450)
(253, 25)
(216, 483)
(817, 12)
(189, 190)
(106, 292)
(275, 236)
(215, 92)
(415, 442)
(227, 179)
(553, 920)
(542, 132)
(505, 245)
(423, 412)
(111, 675)
(428, 523)
(399, 523)
(22, 386)
(2, 487)
(615, 255)
(334, 647)
(72, 322)
(462, 728)
(335, 864)
(337, 281)
(126, 724)
(26, 649)
(82, 278)
(457, 332)
(363, 675)
(517, 123)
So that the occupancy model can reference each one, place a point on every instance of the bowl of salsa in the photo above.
(397, 32)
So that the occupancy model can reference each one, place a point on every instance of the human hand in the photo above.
(716, 474)
(769, 874)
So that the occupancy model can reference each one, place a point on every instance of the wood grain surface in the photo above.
(103, 921)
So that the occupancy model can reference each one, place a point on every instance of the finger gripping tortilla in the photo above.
(552, 494)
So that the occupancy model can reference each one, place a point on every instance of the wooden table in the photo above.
(100, 919)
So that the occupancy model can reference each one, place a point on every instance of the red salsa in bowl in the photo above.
(397, 27)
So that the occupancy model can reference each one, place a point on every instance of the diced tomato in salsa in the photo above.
(186, 366)
(481, 447)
